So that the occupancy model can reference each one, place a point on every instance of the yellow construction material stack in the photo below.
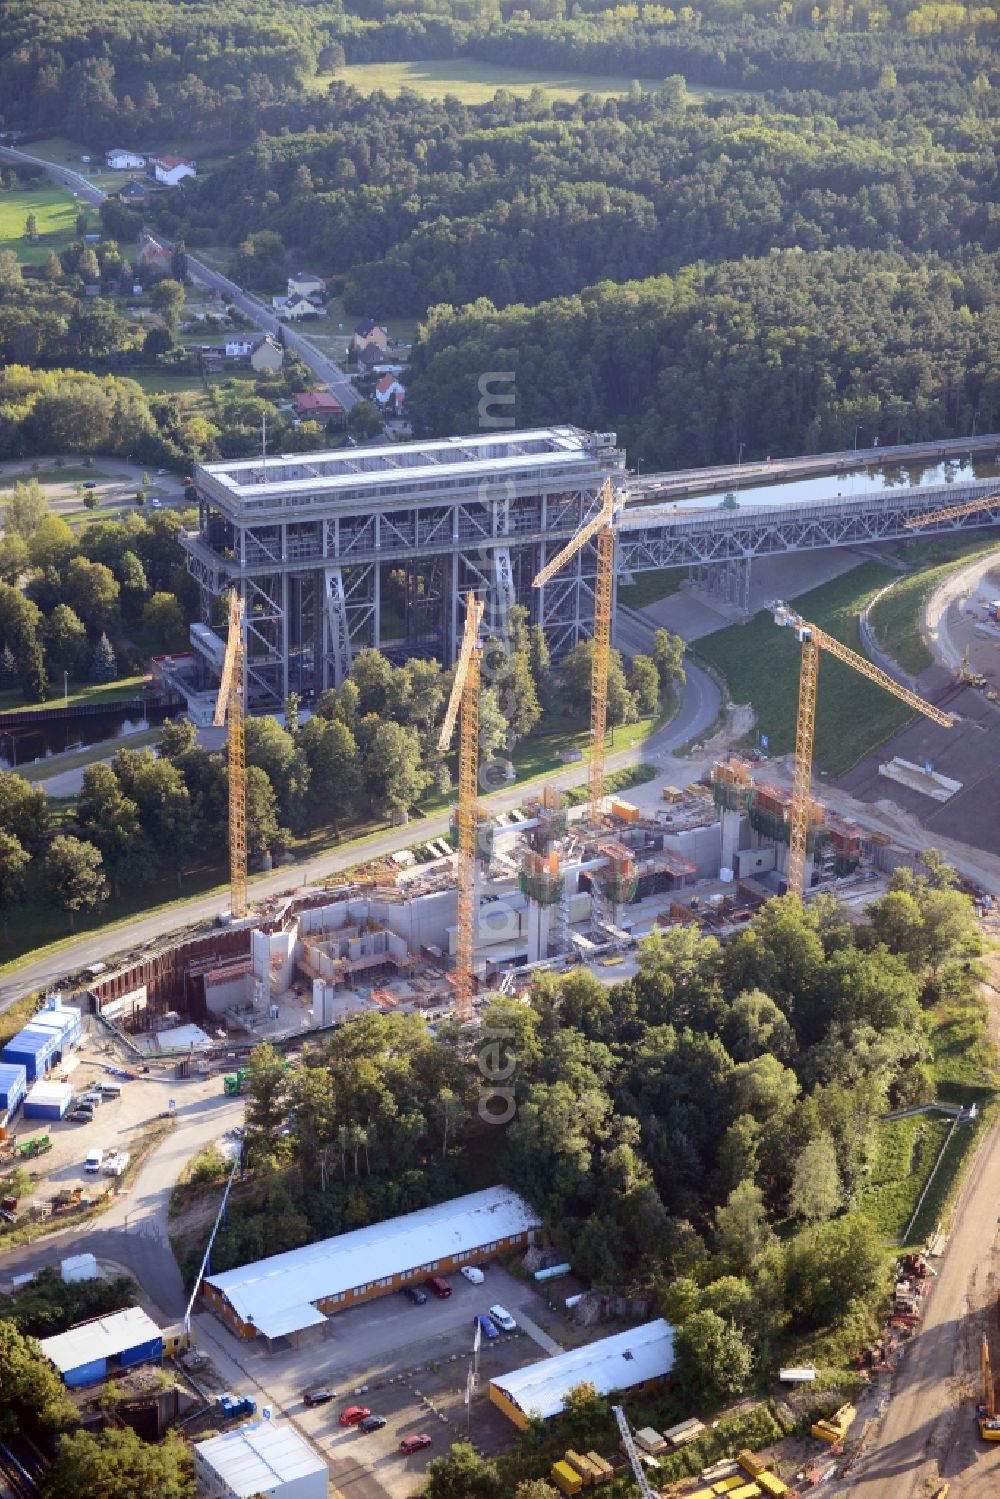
(566, 1479)
(605, 1472)
(836, 1427)
(625, 811)
(751, 1464)
(745, 1491)
(724, 1485)
(771, 1485)
(584, 1467)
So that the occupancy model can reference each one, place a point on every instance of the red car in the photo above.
(438, 1285)
(352, 1414)
(414, 1444)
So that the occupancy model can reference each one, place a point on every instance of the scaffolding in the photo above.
(540, 878)
(732, 785)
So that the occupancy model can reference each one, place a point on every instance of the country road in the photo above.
(252, 308)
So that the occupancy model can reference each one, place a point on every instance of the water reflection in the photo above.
(22, 746)
(853, 485)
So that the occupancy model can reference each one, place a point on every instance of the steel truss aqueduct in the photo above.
(336, 551)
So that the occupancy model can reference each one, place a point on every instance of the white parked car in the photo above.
(474, 1274)
(503, 1319)
(94, 1160)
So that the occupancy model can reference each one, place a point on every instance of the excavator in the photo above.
(986, 1414)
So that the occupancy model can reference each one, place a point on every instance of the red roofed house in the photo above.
(319, 406)
(154, 258)
(389, 389)
(170, 169)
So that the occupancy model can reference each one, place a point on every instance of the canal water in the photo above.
(37, 741)
(853, 485)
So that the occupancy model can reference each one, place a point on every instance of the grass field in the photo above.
(896, 618)
(906, 1152)
(761, 664)
(476, 82)
(55, 210)
(88, 692)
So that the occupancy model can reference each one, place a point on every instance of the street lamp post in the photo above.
(858, 428)
(739, 456)
(65, 689)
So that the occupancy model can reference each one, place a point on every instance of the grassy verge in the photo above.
(648, 587)
(88, 692)
(896, 618)
(907, 1151)
(57, 765)
(761, 665)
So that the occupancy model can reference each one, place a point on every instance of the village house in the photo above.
(293, 307)
(171, 169)
(368, 358)
(306, 284)
(134, 194)
(152, 257)
(369, 333)
(267, 356)
(389, 389)
(319, 406)
(124, 161)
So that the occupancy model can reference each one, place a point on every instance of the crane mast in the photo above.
(229, 710)
(645, 1489)
(463, 707)
(813, 640)
(601, 527)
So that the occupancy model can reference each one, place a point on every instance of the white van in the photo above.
(94, 1159)
(473, 1274)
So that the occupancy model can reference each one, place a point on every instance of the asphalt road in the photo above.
(257, 312)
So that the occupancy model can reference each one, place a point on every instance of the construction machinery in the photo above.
(229, 710)
(953, 512)
(986, 1413)
(463, 705)
(601, 528)
(812, 640)
(632, 1453)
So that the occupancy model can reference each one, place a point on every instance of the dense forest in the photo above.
(801, 1031)
(856, 150)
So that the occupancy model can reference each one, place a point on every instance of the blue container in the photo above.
(33, 1050)
(13, 1085)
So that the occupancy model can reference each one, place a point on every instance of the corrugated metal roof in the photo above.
(255, 1457)
(615, 1363)
(32, 1039)
(277, 1324)
(11, 1074)
(259, 1290)
(103, 1337)
(49, 1093)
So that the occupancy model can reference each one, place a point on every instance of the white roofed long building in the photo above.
(311, 540)
(289, 1292)
(625, 1361)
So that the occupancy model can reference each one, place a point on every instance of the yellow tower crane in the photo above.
(813, 640)
(464, 700)
(952, 512)
(600, 526)
(229, 708)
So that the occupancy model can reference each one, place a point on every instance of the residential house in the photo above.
(124, 161)
(238, 346)
(267, 356)
(306, 284)
(134, 194)
(369, 332)
(155, 259)
(319, 406)
(389, 389)
(171, 169)
(293, 308)
(368, 358)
